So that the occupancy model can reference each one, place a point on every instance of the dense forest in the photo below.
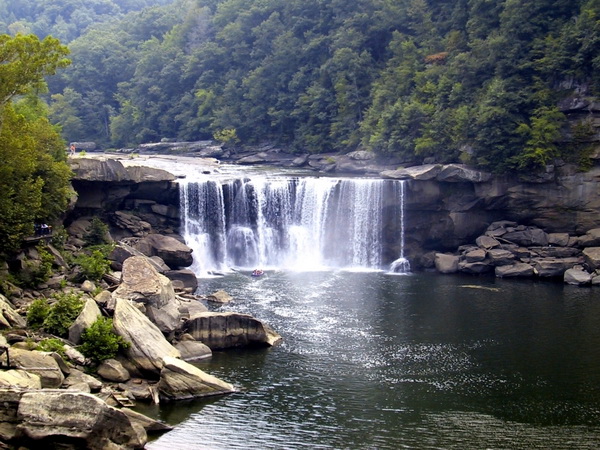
(476, 81)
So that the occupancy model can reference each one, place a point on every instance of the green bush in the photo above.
(36, 271)
(100, 342)
(37, 313)
(97, 233)
(52, 345)
(94, 265)
(63, 313)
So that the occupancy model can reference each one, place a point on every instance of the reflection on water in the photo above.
(372, 360)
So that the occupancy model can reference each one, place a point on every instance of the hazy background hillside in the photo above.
(477, 81)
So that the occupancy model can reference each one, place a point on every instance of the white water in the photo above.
(289, 223)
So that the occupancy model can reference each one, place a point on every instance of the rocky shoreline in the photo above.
(63, 399)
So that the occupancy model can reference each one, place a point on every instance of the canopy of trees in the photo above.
(34, 177)
(472, 80)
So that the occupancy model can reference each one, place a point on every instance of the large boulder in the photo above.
(552, 267)
(38, 363)
(577, 276)
(192, 350)
(180, 380)
(173, 252)
(20, 378)
(592, 257)
(148, 345)
(113, 370)
(424, 172)
(220, 330)
(514, 270)
(9, 318)
(445, 263)
(187, 277)
(80, 420)
(88, 315)
(529, 237)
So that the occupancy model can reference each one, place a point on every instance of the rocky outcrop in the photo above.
(88, 315)
(180, 380)
(148, 346)
(70, 419)
(225, 330)
(38, 363)
(173, 252)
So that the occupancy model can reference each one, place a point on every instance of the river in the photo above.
(378, 360)
(373, 360)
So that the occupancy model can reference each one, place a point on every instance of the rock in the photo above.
(460, 173)
(148, 424)
(20, 378)
(527, 238)
(475, 268)
(142, 283)
(89, 169)
(88, 315)
(180, 380)
(193, 350)
(186, 276)
(148, 345)
(514, 270)
(445, 263)
(229, 329)
(423, 173)
(38, 363)
(550, 268)
(88, 286)
(139, 389)
(219, 296)
(577, 277)
(131, 223)
(592, 257)
(10, 318)
(173, 252)
(76, 377)
(487, 242)
(500, 257)
(79, 419)
(112, 370)
(560, 239)
(474, 256)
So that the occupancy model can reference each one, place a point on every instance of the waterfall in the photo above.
(401, 265)
(303, 223)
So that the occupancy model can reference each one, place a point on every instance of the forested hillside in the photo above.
(477, 81)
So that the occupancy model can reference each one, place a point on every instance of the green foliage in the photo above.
(37, 313)
(97, 233)
(413, 79)
(52, 345)
(100, 342)
(63, 313)
(95, 264)
(34, 177)
(37, 271)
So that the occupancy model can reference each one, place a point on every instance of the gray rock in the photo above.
(423, 173)
(113, 370)
(475, 268)
(592, 257)
(577, 277)
(10, 318)
(550, 268)
(186, 276)
(88, 315)
(20, 378)
(500, 257)
(193, 350)
(180, 380)
(560, 239)
(219, 296)
(474, 256)
(514, 270)
(173, 252)
(528, 237)
(77, 377)
(487, 242)
(38, 363)
(460, 173)
(228, 329)
(80, 419)
(445, 263)
(148, 344)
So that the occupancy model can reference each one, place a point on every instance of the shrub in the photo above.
(52, 345)
(63, 313)
(94, 265)
(36, 271)
(37, 313)
(100, 342)
(97, 233)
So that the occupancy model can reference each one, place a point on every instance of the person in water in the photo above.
(257, 272)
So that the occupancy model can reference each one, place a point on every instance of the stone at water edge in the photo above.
(446, 263)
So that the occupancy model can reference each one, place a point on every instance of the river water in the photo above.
(373, 360)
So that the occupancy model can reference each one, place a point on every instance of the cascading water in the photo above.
(401, 265)
(290, 223)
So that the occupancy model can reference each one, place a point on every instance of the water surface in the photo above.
(371, 360)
